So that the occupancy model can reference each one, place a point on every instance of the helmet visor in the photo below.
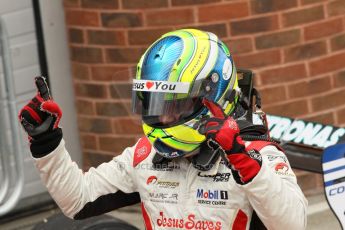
(166, 104)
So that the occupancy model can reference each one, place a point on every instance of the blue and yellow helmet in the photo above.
(172, 77)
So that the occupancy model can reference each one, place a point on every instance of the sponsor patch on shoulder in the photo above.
(283, 169)
(142, 151)
(280, 158)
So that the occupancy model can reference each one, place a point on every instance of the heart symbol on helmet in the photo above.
(149, 84)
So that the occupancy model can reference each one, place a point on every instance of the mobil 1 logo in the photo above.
(211, 197)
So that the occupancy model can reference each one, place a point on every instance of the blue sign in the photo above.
(333, 166)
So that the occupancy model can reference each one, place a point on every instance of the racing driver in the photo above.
(192, 169)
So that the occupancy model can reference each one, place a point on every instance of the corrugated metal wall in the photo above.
(18, 17)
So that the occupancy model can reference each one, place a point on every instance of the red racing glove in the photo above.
(223, 132)
(40, 119)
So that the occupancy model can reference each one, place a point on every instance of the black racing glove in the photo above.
(40, 119)
(223, 132)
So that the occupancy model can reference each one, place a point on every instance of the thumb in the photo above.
(42, 88)
(214, 108)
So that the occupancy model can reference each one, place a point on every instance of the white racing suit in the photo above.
(178, 196)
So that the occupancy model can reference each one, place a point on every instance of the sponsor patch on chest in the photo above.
(219, 177)
(211, 197)
(154, 181)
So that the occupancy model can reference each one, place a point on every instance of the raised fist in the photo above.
(40, 119)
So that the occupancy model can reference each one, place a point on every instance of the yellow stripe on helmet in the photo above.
(200, 56)
(180, 137)
(185, 134)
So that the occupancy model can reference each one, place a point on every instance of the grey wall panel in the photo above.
(23, 38)
(24, 80)
(31, 173)
(9, 6)
(24, 55)
(19, 22)
(31, 189)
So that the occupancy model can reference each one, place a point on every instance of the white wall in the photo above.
(18, 16)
